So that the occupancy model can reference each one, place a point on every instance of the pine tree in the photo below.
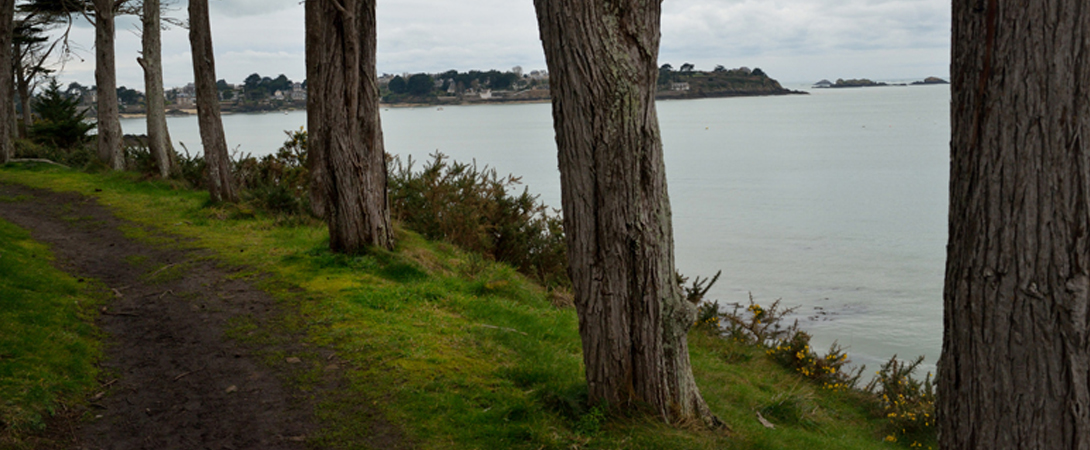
(60, 122)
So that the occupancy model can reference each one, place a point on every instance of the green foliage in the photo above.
(420, 85)
(189, 168)
(399, 86)
(908, 404)
(79, 157)
(474, 210)
(279, 182)
(758, 324)
(829, 371)
(48, 347)
(456, 351)
(129, 96)
(60, 124)
(791, 407)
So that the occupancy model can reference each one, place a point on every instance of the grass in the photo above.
(456, 351)
(48, 348)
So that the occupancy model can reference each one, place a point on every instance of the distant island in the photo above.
(863, 82)
(687, 83)
(265, 94)
(475, 87)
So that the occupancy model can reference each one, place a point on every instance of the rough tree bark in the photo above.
(220, 183)
(7, 88)
(633, 318)
(345, 134)
(152, 63)
(315, 161)
(1015, 370)
(109, 123)
(22, 87)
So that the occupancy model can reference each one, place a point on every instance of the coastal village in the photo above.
(259, 93)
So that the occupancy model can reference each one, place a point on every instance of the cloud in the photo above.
(745, 32)
(801, 40)
(247, 8)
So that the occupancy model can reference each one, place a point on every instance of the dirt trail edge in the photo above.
(173, 380)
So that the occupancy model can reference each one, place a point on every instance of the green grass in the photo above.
(456, 351)
(48, 348)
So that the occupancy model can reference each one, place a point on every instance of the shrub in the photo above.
(787, 345)
(60, 124)
(278, 182)
(78, 157)
(475, 210)
(908, 404)
(757, 324)
(189, 168)
(829, 371)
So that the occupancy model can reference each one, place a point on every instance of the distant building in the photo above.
(184, 99)
(679, 86)
(486, 94)
(298, 92)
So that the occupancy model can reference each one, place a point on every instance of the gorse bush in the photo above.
(757, 324)
(475, 210)
(472, 208)
(278, 182)
(829, 370)
(908, 403)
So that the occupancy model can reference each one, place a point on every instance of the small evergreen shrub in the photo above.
(59, 124)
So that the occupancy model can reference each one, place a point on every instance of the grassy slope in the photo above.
(48, 348)
(460, 352)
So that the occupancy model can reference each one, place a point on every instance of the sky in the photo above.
(794, 41)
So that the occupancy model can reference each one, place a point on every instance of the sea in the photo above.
(834, 202)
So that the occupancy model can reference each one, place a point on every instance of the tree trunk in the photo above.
(7, 90)
(22, 87)
(109, 124)
(633, 318)
(220, 183)
(154, 99)
(1015, 370)
(315, 160)
(345, 134)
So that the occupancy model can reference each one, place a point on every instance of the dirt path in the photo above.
(174, 380)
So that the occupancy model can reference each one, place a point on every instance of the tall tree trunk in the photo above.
(7, 89)
(315, 159)
(109, 124)
(345, 134)
(220, 183)
(154, 99)
(22, 87)
(633, 318)
(1015, 370)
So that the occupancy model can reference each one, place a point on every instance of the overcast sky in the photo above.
(791, 40)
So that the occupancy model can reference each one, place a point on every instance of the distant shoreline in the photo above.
(192, 111)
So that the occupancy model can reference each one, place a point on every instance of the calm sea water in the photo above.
(834, 202)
